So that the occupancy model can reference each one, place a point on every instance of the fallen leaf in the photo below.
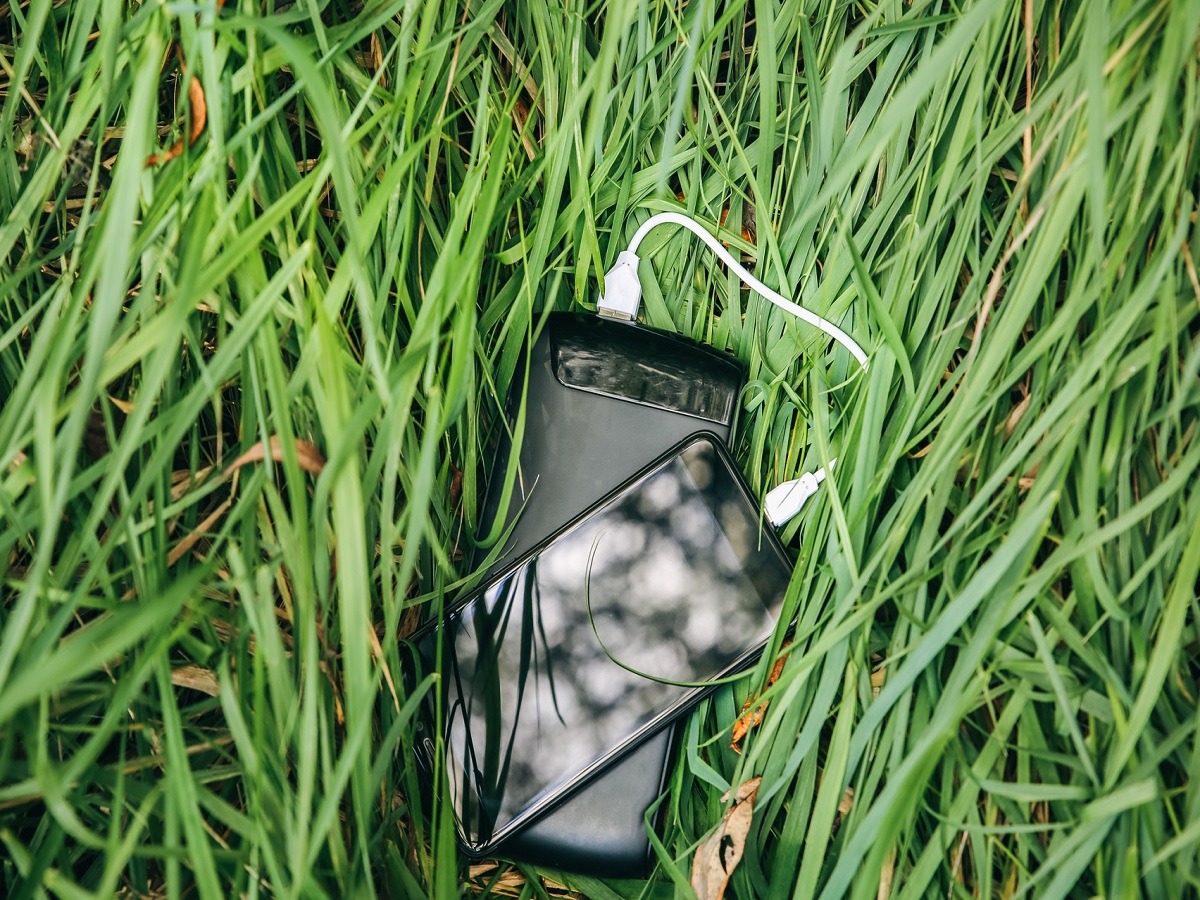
(377, 652)
(183, 480)
(199, 114)
(751, 718)
(720, 852)
(309, 457)
(197, 679)
(501, 879)
(377, 58)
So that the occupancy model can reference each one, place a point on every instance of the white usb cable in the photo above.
(622, 295)
(622, 298)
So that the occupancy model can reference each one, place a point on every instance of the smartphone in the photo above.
(600, 635)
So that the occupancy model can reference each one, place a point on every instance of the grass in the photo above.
(994, 686)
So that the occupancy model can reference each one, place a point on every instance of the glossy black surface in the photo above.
(580, 444)
(682, 586)
(578, 447)
(645, 366)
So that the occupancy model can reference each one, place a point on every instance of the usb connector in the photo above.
(783, 502)
(622, 297)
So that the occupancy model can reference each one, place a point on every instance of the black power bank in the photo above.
(604, 400)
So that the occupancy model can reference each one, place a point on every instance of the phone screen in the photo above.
(565, 658)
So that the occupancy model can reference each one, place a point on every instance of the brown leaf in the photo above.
(492, 877)
(197, 679)
(720, 852)
(752, 718)
(310, 457)
(877, 679)
(199, 115)
(377, 652)
(377, 58)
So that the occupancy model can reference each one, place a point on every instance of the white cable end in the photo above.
(622, 295)
(784, 501)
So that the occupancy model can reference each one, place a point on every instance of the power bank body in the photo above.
(605, 399)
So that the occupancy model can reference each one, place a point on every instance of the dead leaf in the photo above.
(377, 59)
(377, 652)
(123, 405)
(997, 279)
(720, 852)
(1013, 419)
(1193, 277)
(197, 679)
(183, 480)
(752, 718)
(309, 457)
(956, 868)
(877, 679)
(846, 803)
(199, 115)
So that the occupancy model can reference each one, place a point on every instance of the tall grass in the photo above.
(245, 394)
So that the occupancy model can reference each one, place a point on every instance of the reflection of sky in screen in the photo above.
(679, 588)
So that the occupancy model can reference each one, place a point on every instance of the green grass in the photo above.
(998, 640)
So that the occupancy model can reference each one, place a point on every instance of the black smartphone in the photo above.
(601, 634)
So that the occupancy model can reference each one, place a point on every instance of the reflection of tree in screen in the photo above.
(670, 597)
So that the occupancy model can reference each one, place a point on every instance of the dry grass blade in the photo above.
(502, 880)
(997, 279)
(309, 459)
(198, 115)
(196, 678)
